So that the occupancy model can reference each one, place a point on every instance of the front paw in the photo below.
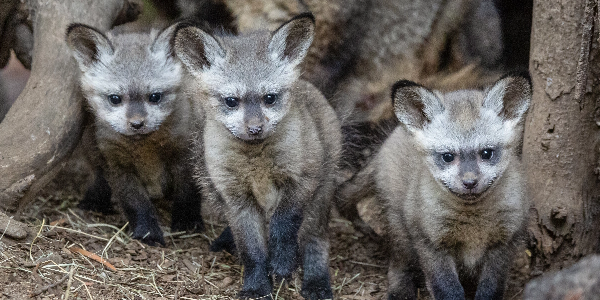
(256, 287)
(316, 290)
(151, 235)
(282, 271)
(189, 225)
(225, 242)
(252, 294)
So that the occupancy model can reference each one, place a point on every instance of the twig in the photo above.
(112, 239)
(176, 296)
(36, 268)
(5, 229)
(36, 236)
(38, 292)
(86, 289)
(280, 285)
(367, 264)
(156, 286)
(68, 291)
(583, 64)
(79, 231)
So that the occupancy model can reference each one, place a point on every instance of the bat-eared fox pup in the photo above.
(274, 147)
(451, 182)
(141, 128)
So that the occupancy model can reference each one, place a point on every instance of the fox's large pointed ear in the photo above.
(87, 44)
(510, 96)
(291, 41)
(197, 49)
(414, 105)
(163, 41)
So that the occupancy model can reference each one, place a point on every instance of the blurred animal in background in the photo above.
(451, 183)
(274, 146)
(138, 136)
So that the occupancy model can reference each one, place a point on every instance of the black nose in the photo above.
(136, 124)
(470, 184)
(254, 130)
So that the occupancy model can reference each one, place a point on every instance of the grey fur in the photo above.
(439, 224)
(276, 184)
(144, 147)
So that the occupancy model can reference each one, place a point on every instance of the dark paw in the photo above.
(401, 295)
(250, 295)
(316, 290)
(195, 225)
(150, 236)
(224, 242)
(282, 272)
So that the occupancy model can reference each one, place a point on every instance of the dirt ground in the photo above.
(52, 264)
(184, 269)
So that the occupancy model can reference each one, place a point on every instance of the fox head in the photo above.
(248, 79)
(467, 138)
(130, 80)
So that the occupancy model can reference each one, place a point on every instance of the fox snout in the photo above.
(136, 123)
(254, 130)
(469, 180)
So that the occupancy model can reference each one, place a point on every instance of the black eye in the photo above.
(155, 97)
(270, 98)
(448, 157)
(114, 99)
(232, 101)
(487, 154)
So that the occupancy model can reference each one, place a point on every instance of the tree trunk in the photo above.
(561, 140)
(45, 122)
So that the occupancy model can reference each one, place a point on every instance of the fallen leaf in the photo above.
(93, 256)
(58, 222)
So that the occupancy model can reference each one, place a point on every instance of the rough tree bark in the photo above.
(44, 124)
(561, 140)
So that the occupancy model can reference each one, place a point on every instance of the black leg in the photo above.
(401, 277)
(316, 283)
(314, 244)
(97, 196)
(493, 274)
(138, 209)
(248, 227)
(186, 213)
(283, 242)
(441, 275)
